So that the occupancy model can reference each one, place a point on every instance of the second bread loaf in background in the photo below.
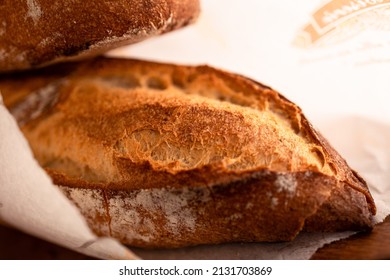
(35, 33)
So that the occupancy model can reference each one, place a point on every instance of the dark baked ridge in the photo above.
(35, 33)
(233, 159)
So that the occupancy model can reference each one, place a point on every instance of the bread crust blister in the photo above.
(160, 155)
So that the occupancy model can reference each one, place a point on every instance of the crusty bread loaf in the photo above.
(34, 33)
(160, 155)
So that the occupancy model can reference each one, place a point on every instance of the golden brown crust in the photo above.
(161, 155)
(336, 216)
(34, 33)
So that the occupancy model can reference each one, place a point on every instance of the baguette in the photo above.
(163, 156)
(35, 33)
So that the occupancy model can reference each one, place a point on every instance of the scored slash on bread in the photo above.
(161, 155)
(35, 33)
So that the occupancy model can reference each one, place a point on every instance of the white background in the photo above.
(254, 38)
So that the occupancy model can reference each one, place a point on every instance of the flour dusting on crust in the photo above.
(286, 182)
(135, 215)
(91, 206)
(34, 10)
(3, 26)
(35, 103)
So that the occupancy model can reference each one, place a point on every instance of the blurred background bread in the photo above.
(35, 33)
